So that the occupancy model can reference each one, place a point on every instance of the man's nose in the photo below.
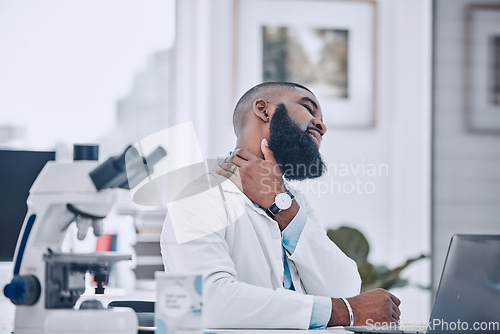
(318, 124)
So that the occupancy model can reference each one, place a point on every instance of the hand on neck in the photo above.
(250, 144)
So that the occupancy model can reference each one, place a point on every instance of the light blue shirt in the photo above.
(322, 306)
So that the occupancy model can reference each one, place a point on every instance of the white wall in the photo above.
(64, 64)
(466, 165)
(203, 66)
(395, 218)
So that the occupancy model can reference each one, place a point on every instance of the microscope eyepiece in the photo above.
(85, 152)
(127, 169)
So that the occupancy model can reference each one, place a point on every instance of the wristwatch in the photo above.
(282, 201)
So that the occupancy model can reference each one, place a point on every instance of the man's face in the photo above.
(295, 136)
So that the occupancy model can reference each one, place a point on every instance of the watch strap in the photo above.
(273, 210)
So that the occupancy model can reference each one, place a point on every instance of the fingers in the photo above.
(228, 166)
(394, 318)
(244, 154)
(239, 156)
(394, 299)
(396, 313)
(231, 176)
(237, 160)
(230, 163)
(396, 310)
(226, 173)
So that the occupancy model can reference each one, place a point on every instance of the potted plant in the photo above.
(354, 244)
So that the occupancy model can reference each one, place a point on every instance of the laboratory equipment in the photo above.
(47, 282)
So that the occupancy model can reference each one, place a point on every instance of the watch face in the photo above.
(283, 201)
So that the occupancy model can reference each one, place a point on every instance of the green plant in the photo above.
(354, 244)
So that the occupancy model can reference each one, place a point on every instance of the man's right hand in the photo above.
(376, 305)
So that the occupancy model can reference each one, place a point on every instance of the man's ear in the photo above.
(260, 107)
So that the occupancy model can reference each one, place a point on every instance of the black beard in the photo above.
(295, 151)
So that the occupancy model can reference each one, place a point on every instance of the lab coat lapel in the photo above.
(270, 231)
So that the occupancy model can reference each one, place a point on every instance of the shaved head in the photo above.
(265, 91)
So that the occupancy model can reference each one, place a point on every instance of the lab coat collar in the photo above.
(230, 188)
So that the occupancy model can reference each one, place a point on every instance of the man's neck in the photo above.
(251, 146)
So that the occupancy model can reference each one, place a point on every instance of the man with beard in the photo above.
(267, 262)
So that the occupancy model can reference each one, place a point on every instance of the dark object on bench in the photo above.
(145, 313)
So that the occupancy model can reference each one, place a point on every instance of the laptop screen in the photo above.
(468, 298)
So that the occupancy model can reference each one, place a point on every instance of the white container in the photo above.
(178, 303)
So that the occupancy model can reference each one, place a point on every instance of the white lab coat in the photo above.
(217, 231)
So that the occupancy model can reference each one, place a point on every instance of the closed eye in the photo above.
(308, 108)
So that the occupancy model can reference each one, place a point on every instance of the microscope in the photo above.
(48, 282)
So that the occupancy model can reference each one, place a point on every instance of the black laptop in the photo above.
(468, 297)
